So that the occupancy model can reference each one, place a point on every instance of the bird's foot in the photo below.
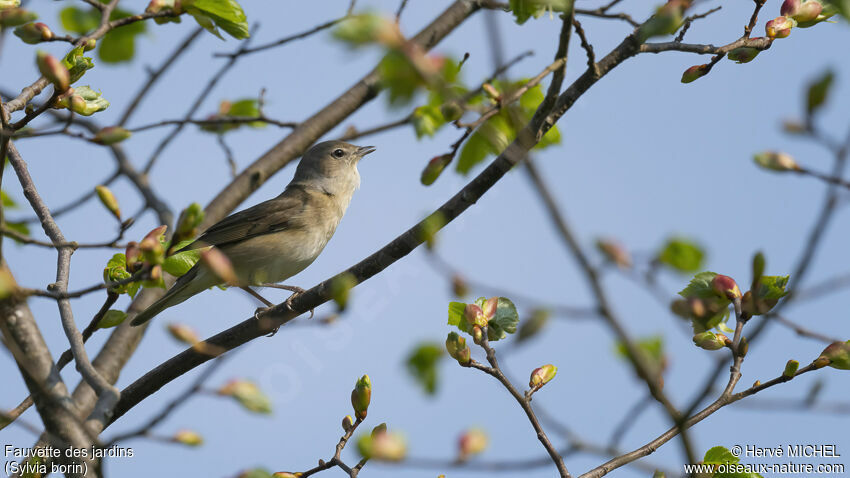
(296, 291)
(257, 313)
(288, 301)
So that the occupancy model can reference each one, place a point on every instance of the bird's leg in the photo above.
(296, 291)
(268, 306)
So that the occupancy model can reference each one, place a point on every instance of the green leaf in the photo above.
(359, 30)
(225, 14)
(773, 287)
(8, 202)
(116, 270)
(19, 227)
(111, 318)
(120, 44)
(80, 21)
(496, 133)
(180, 263)
(531, 326)
(700, 286)
(422, 365)
(504, 322)
(427, 120)
(77, 64)
(818, 91)
(456, 316)
(681, 254)
(399, 78)
(652, 349)
(525, 9)
(719, 455)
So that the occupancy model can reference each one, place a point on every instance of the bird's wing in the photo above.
(282, 212)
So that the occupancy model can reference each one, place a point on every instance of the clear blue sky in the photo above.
(643, 157)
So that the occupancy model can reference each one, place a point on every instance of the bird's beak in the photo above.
(364, 150)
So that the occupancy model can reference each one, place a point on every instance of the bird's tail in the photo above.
(186, 286)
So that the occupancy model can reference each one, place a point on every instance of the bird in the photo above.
(278, 238)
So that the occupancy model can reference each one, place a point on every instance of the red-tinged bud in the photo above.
(378, 430)
(801, 11)
(434, 168)
(459, 286)
(474, 315)
(219, 264)
(542, 375)
(361, 396)
(615, 252)
(347, 423)
(489, 308)
(779, 27)
(471, 442)
(34, 33)
(776, 161)
(837, 354)
(457, 349)
(108, 200)
(695, 72)
(726, 286)
(285, 474)
(111, 135)
(491, 91)
(791, 368)
(477, 335)
(151, 246)
(134, 256)
(53, 71)
(13, 17)
(188, 437)
(248, 394)
(184, 333)
(710, 341)
(388, 447)
(743, 54)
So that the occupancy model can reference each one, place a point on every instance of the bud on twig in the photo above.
(615, 252)
(34, 33)
(779, 27)
(361, 396)
(791, 368)
(471, 442)
(12, 17)
(475, 315)
(188, 437)
(219, 264)
(151, 246)
(710, 341)
(726, 286)
(183, 333)
(53, 71)
(776, 161)
(541, 376)
(695, 72)
(457, 349)
(108, 200)
(347, 423)
(111, 135)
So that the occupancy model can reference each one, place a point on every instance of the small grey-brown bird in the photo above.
(276, 239)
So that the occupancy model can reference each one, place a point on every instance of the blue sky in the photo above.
(643, 157)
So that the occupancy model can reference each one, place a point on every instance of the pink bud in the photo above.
(726, 287)
(695, 72)
(779, 27)
(53, 71)
(490, 307)
(220, 265)
(474, 315)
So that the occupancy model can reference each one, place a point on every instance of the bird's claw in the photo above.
(296, 292)
(257, 318)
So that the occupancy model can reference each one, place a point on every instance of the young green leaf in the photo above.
(422, 365)
(681, 254)
(111, 318)
(225, 14)
(818, 91)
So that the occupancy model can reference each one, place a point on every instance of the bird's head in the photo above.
(332, 165)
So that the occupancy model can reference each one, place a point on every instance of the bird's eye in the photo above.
(338, 153)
